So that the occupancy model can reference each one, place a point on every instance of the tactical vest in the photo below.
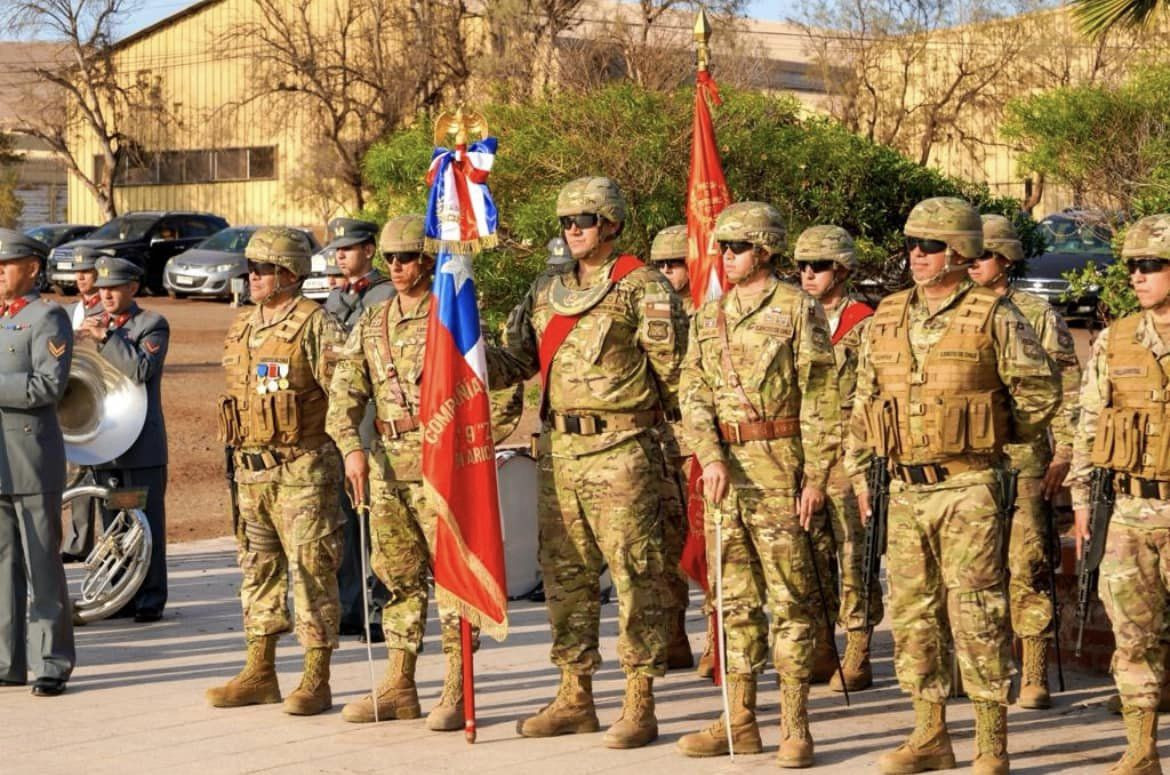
(272, 393)
(955, 396)
(1132, 432)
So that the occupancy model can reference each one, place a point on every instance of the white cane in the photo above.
(363, 515)
(720, 649)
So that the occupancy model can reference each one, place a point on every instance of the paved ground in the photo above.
(135, 705)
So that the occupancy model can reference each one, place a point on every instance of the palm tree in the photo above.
(1096, 17)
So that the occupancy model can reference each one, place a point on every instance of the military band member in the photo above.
(350, 253)
(89, 302)
(1042, 465)
(381, 369)
(36, 629)
(668, 253)
(1122, 428)
(761, 410)
(333, 274)
(606, 333)
(946, 369)
(279, 361)
(134, 341)
(825, 259)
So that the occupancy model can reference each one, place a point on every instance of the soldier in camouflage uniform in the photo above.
(606, 334)
(1042, 468)
(825, 260)
(279, 360)
(1125, 405)
(946, 369)
(668, 252)
(762, 412)
(381, 367)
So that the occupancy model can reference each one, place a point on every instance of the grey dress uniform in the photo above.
(36, 347)
(136, 345)
(346, 305)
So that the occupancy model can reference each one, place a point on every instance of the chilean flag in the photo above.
(461, 214)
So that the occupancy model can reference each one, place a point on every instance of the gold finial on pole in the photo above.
(458, 124)
(702, 36)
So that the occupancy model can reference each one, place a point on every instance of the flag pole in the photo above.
(468, 679)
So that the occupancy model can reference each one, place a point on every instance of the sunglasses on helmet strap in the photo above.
(925, 245)
(1146, 265)
(818, 266)
(671, 263)
(735, 246)
(402, 257)
(261, 268)
(581, 220)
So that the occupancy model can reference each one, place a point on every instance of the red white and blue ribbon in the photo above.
(461, 215)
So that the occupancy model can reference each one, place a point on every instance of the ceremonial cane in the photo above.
(720, 649)
(468, 679)
(363, 514)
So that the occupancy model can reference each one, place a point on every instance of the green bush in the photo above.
(812, 169)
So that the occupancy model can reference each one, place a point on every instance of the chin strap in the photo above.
(294, 285)
(941, 275)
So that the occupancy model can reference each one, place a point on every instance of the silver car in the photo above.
(316, 285)
(209, 268)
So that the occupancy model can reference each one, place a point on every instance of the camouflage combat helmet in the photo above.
(592, 195)
(669, 243)
(951, 220)
(1148, 238)
(826, 243)
(280, 245)
(999, 236)
(403, 234)
(756, 222)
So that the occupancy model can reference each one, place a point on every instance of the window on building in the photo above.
(142, 168)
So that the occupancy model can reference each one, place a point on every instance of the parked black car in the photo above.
(54, 234)
(148, 237)
(1074, 239)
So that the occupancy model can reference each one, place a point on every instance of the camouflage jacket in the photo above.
(846, 352)
(674, 445)
(780, 349)
(1057, 341)
(1021, 363)
(622, 356)
(382, 361)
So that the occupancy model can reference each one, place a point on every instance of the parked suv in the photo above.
(148, 237)
(1073, 240)
(208, 268)
(54, 234)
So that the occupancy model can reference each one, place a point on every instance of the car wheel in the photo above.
(68, 290)
(176, 294)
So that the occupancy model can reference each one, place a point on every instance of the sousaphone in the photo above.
(101, 416)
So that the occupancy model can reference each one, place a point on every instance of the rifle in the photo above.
(1100, 512)
(1052, 541)
(878, 483)
(812, 556)
(1009, 480)
(229, 467)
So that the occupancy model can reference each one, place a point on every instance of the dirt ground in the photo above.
(197, 493)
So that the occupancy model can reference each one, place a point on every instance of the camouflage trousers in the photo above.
(766, 563)
(1030, 605)
(287, 528)
(605, 509)
(402, 536)
(674, 534)
(847, 557)
(1135, 588)
(947, 596)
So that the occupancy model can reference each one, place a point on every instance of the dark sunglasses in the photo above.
(401, 258)
(822, 265)
(987, 256)
(582, 220)
(735, 246)
(925, 245)
(1146, 265)
(263, 269)
(671, 263)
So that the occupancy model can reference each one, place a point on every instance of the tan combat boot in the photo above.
(570, 713)
(745, 733)
(706, 667)
(1034, 686)
(256, 684)
(855, 664)
(796, 744)
(313, 695)
(678, 654)
(637, 725)
(824, 663)
(1141, 755)
(447, 715)
(991, 756)
(927, 748)
(397, 695)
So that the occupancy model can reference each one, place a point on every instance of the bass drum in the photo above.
(117, 565)
(518, 481)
